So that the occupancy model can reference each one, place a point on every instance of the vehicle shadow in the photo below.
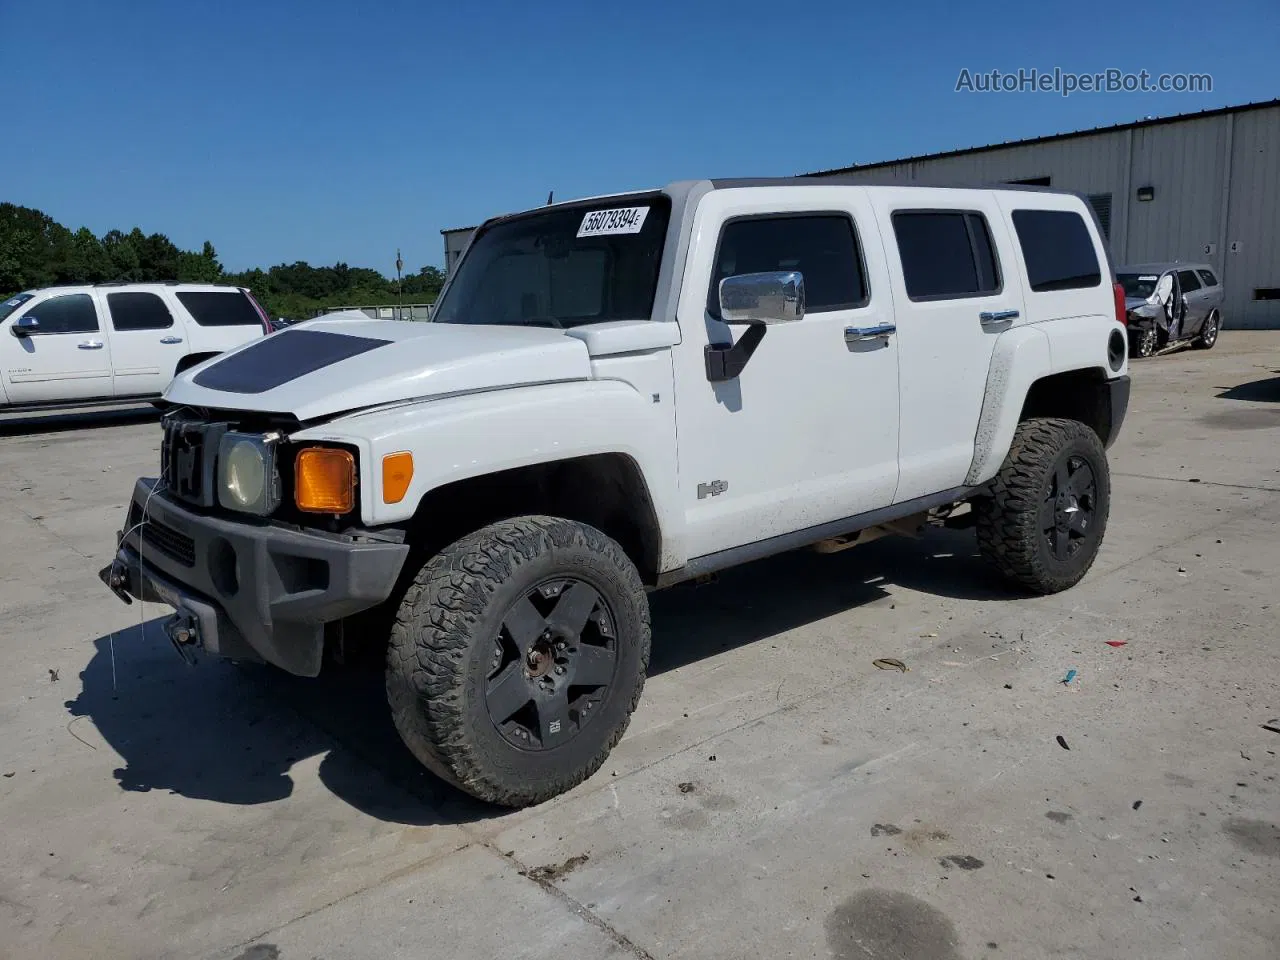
(1266, 390)
(232, 733)
(760, 600)
(16, 425)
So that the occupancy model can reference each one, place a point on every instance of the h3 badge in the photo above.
(712, 489)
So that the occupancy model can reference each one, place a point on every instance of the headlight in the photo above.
(247, 476)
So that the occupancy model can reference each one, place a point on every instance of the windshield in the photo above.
(584, 264)
(1138, 284)
(13, 303)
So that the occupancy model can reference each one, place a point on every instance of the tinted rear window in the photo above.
(138, 311)
(215, 309)
(945, 254)
(1058, 250)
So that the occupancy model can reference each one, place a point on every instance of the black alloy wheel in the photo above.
(553, 663)
(1067, 514)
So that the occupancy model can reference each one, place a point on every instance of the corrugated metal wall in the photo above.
(1197, 168)
(455, 242)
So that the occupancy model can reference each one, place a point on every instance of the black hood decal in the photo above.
(286, 356)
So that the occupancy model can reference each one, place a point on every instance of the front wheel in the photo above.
(1042, 523)
(517, 657)
(1146, 342)
(1208, 334)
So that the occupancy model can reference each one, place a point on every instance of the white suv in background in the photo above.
(115, 342)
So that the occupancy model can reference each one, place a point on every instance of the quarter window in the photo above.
(946, 254)
(138, 311)
(214, 309)
(822, 247)
(1058, 250)
(71, 313)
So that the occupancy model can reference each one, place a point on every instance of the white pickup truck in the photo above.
(115, 342)
(615, 395)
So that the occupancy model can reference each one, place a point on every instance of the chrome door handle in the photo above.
(880, 330)
(997, 316)
(170, 339)
(90, 344)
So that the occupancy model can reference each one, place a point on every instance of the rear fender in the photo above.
(1020, 358)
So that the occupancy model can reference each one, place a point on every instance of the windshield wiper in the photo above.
(543, 322)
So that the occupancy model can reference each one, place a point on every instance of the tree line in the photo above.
(37, 251)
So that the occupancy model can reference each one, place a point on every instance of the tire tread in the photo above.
(432, 639)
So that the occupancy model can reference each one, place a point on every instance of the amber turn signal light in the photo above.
(324, 480)
(397, 472)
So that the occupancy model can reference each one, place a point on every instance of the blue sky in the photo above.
(326, 131)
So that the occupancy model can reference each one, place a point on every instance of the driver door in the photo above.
(63, 357)
(807, 432)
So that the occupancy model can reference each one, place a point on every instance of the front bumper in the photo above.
(247, 590)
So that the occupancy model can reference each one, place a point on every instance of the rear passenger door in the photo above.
(947, 251)
(146, 342)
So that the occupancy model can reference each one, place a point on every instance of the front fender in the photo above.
(455, 438)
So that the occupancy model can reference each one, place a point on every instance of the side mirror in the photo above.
(25, 326)
(762, 298)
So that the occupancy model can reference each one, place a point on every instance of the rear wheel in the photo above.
(1208, 334)
(1043, 522)
(517, 657)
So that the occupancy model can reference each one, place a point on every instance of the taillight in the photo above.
(1121, 313)
(262, 314)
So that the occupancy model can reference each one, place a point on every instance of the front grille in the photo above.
(187, 453)
(170, 542)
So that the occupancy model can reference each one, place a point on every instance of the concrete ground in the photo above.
(776, 795)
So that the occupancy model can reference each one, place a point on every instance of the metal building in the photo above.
(1201, 186)
(455, 241)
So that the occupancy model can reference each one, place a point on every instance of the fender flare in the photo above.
(1020, 358)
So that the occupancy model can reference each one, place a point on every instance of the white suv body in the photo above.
(117, 342)
(616, 395)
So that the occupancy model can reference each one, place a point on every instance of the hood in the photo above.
(330, 366)
(1132, 302)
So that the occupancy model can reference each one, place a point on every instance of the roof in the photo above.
(460, 229)
(1137, 124)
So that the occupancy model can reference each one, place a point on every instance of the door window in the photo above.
(1188, 280)
(1207, 276)
(822, 247)
(138, 311)
(1058, 250)
(71, 313)
(946, 254)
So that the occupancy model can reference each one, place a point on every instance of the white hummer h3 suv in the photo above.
(615, 395)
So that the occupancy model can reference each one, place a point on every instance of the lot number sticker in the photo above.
(601, 223)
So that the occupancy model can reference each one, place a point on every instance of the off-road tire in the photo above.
(443, 638)
(1008, 519)
(1208, 334)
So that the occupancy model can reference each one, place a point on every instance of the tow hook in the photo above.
(184, 633)
(116, 577)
